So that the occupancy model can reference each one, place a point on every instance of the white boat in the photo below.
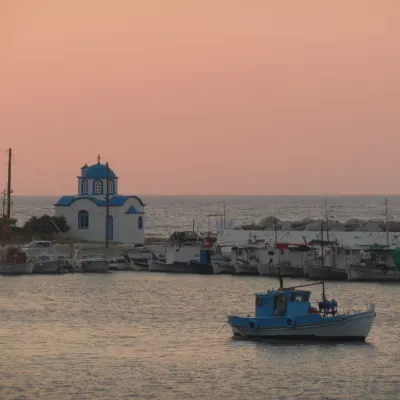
(15, 262)
(48, 264)
(245, 268)
(376, 263)
(244, 260)
(121, 263)
(141, 260)
(223, 265)
(376, 274)
(94, 263)
(266, 269)
(17, 269)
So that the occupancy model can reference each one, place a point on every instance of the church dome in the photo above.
(98, 171)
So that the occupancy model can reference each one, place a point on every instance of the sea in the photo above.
(166, 214)
(143, 335)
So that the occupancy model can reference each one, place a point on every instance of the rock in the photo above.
(268, 222)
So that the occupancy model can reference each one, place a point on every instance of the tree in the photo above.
(45, 225)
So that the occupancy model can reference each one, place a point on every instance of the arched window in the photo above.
(110, 187)
(98, 187)
(85, 187)
(140, 223)
(83, 219)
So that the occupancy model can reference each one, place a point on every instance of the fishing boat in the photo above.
(93, 263)
(48, 264)
(120, 263)
(287, 314)
(291, 258)
(15, 262)
(222, 265)
(376, 263)
(244, 260)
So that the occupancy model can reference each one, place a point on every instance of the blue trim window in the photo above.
(85, 187)
(83, 219)
(140, 223)
(98, 187)
(110, 187)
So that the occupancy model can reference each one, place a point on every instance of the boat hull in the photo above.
(17, 269)
(246, 269)
(223, 268)
(266, 270)
(177, 267)
(48, 267)
(94, 267)
(290, 271)
(141, 266)
(347, 327)
(372, 274)
(326, 273)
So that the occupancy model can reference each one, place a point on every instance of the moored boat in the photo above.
(327, 273)
(15, 262)
(287, 313)
(266, 269)
(95, 264)
(48, 264)
(222, 265)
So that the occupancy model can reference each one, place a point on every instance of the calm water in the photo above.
(165, 214)
(129, 335)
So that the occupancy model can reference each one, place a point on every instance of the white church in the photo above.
(86, 212)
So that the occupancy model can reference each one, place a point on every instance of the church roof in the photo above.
(118, 200)
(98, 171)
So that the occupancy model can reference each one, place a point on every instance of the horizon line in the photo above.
(232, 195)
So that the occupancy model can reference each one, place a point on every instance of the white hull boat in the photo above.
(291, 270)
(318, 272)
(48, 267)
(266, 270)
(374, 274)
(246, 269)
(93, 264)
(17, 269)
(223, 267)
(141, 266)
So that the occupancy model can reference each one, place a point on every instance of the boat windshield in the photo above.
(299, 297)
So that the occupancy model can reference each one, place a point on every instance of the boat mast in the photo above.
(107, 203)
(322, 243)
(9, 191)
(326, 220)
(387, 221)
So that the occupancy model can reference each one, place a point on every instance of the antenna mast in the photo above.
(326, 220)
(387, 221)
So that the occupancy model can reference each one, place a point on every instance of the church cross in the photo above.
(98, 159)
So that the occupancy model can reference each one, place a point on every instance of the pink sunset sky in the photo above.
(202, 97)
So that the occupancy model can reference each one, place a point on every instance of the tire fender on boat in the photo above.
(290, 322)
(253, 325)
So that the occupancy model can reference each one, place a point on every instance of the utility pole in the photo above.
(107, 204)
(3, 215)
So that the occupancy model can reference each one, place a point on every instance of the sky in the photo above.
(202, 96)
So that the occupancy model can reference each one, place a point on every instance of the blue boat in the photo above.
(287, 313)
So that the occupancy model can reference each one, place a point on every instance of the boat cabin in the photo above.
(290, 302)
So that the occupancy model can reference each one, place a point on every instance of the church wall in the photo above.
(125, 225)
(96, 230)
(127, 230)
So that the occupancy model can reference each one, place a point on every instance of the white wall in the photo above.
(125, 225)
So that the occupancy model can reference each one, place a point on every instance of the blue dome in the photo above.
(98, 171)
